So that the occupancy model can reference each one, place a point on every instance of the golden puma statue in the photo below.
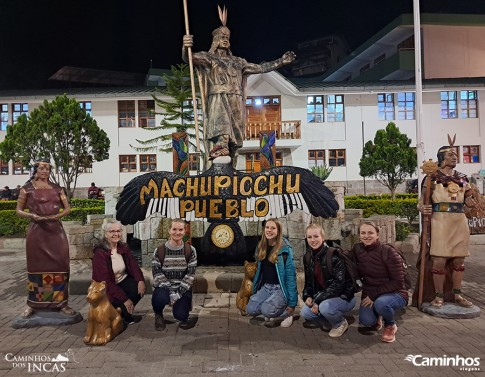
(246, 290)
(104, 321)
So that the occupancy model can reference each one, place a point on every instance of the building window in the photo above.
(379, 59)
(86, 106)
(336, 157)
(148, 162)
(405, 106)
(335, 108)
(468, 102)
(194, 161)
(3, 117)
(126, 114)
(385, 106)
(471, 154)
(364, 68)
(3, 167)
(253, 162)
(18, 109)
(314, 109)
(316, 157)
(146, 113)
(127, 163)
(448, 105)
(19, 169)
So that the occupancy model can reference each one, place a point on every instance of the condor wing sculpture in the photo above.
(224, 194)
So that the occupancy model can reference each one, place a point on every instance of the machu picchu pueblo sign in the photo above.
(223, 194)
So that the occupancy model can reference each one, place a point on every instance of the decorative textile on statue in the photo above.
(48, 290)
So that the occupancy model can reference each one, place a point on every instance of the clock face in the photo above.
(222, 236)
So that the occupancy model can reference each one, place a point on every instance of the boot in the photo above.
(159, 322)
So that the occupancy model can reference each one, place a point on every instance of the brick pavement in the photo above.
(224, 343)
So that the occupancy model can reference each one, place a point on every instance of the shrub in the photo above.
(11, 224)
(404, 206)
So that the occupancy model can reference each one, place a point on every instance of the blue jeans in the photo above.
(269, 301)
(181, 308)
(384, 306)
(331, 310)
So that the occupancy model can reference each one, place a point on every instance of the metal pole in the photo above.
(419, 89)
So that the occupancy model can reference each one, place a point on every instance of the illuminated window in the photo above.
(127, 163)
(336, 157)
(448, 105)
(468, 103)
(314, 109)
(253, 163)
(3, 167)
(316, 157)
(86, 106)
(148, 162)
(19, 169)
(405, 106)
(146, 113)
(18, 109)
(194, 161)
(3, 117)
(471, 154)
(126, 114)
(335, 108)
(385, 106)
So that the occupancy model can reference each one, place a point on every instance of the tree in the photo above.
(390, 158)
(178, 114)
(62, 132)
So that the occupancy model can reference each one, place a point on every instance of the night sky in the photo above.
(37, 37)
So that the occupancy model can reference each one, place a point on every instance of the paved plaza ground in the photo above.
(222, 342)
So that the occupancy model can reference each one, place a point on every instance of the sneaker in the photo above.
(287, 322)
(389, 334)
(340, 330)
(133, 319)
(160, 324)
(188, 324)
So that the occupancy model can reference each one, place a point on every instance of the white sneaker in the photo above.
(287, 322)
(339, 331)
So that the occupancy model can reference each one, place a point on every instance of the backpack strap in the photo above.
(328, 259)
(161, 253)
(187, 252)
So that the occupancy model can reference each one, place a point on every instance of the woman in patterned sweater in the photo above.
(173, 267)
(382, 272)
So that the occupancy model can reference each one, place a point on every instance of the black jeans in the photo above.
(181, 308)
(130, 287)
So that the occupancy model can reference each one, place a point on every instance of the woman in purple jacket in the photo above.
(114, 263)
(382, 272)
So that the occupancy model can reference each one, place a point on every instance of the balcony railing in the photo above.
(286, 129)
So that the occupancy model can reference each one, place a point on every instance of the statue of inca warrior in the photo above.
(223, 88)
(450, 234)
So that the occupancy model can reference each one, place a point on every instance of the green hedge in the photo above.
(11, 224)
(8, 204)
(75, 203)
(377, 205)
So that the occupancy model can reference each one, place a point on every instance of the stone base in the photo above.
(46, 318)
(452, 311)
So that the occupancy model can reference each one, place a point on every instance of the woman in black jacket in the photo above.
(328, 292)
